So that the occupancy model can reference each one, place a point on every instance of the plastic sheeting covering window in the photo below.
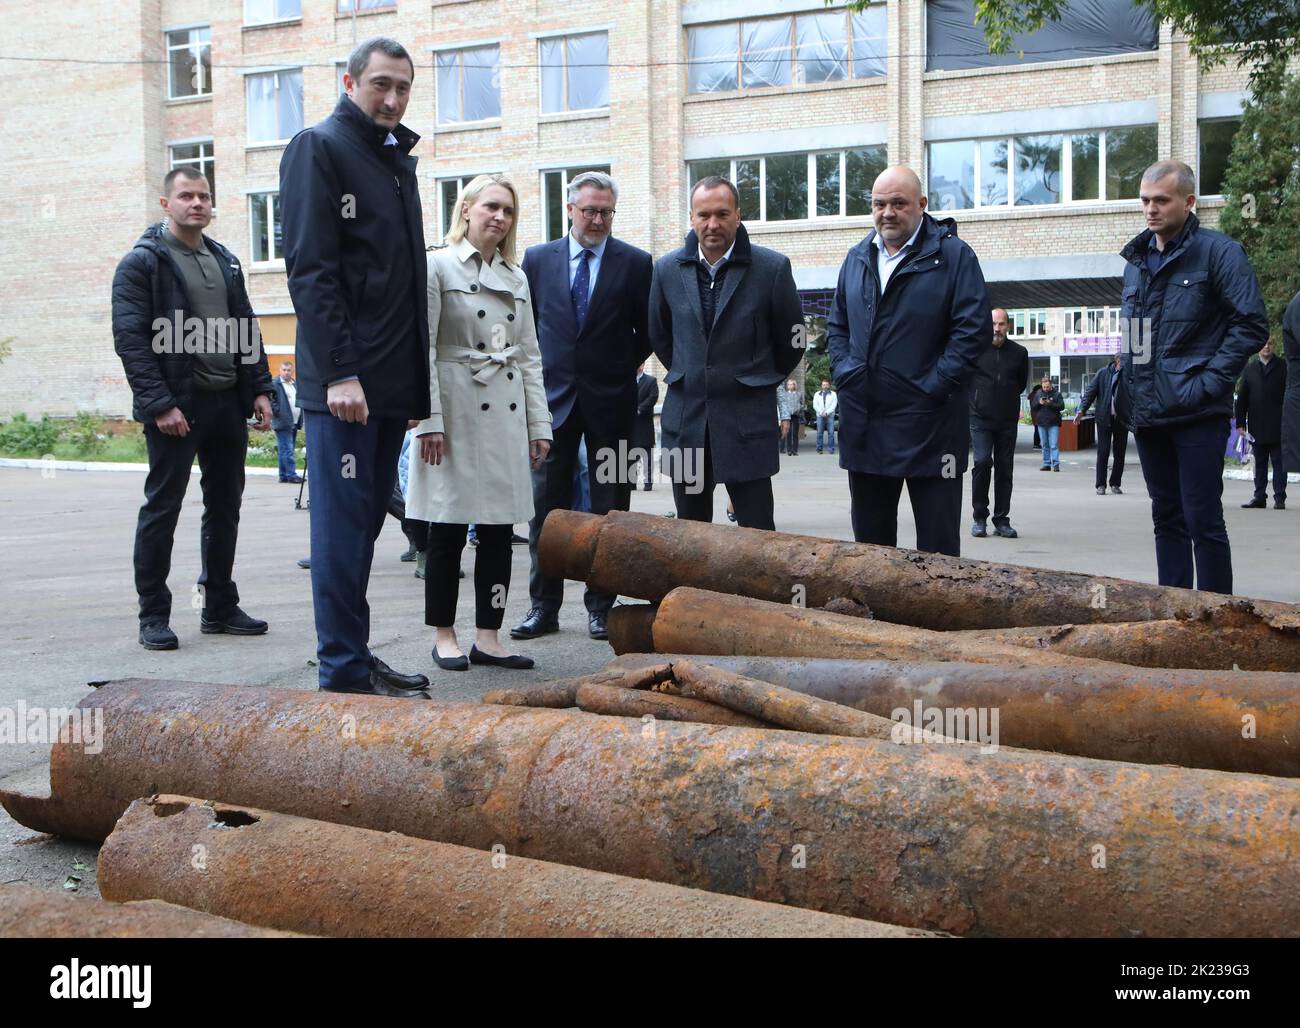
(274, 101)
(481, 82)
(588, 71)
(822, 47)
(712, 56)
(1038, 169)
(257, 12)
(550, 55)
(448, 74)
(1088, 28)
(345, 6)
(869, 41)
(1129, 152)
(766, 53)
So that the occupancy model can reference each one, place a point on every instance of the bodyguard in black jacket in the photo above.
(1259, 412)
(1111, 432)
(1001, 374)
(354, 252)
(1194, 314)
(192, 353)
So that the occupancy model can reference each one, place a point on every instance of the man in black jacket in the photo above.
(1193, 314)
(1259, 411)
(1110, 430)
(643, 434)
(1001, 375)
(286, 419)
(1291, 403)
(191, 349)
(909, 320)
(354, 252)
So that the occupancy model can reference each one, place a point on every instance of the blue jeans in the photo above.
(1183, 467)
(284, 438)
(826, 423)
(1050, 434)
(353, 469)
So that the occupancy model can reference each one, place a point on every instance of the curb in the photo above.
(37, 464)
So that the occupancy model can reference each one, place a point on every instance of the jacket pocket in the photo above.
(761, 378)
(1179, 387)
(1185, 296)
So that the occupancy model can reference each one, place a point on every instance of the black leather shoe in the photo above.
(536, 622)
(460, 663)
(1256, 503)
(1116, 490)
(305, 563)
(234, 623)
(597, 627)
(513, 660)
(979, 530)
(397, 679)
(1101, 490)
(156, 635)
(376, 686)
(1006, 531)
(1279, 504)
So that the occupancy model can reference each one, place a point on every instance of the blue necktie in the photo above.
(581, 287)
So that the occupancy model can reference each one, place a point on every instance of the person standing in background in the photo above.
(824, 404)
(643, 433)
(1001, 374)
(286, 419)
(1259, 412)
(1111, 432)
(1048, 405)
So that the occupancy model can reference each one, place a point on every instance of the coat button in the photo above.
(480, 345)
(482, 314)
(484, 407)
(473, 287)
(513, 406)
(510, 317)
(1184, 281)
(510, 375)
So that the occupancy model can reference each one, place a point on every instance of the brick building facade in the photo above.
(652, 89)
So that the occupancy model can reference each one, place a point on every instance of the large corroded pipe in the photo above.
(1232, 636)
(27, 913)
(698, 621)
(647, 557)
(1229, 721)
(327, 879)
(946, 838)
(631, 627)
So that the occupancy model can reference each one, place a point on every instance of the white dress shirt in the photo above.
(887, 262)
(713, 268)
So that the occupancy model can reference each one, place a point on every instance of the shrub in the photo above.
(23, 438)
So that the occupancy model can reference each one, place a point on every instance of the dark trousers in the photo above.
(1183, 468)
(751, 501)
(491, 574)
(936, 507)
(1264, 452)
(553, 490)
(284, 439)
(1110, 433)
(643, 443)
(995, 451)
(791, 441)
(352, 468)
(219, 437)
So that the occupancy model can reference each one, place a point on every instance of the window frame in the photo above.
(273, 208)
(277, 72)
(170, 48)
(563, 40)
(1200, 164)
(460, 85)
(810, 156)
(282, 20)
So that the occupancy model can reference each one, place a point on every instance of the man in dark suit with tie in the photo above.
(589, 295)
(643, 435)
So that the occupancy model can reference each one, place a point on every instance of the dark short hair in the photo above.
(181, 172)
(712, 182)
(360, 57)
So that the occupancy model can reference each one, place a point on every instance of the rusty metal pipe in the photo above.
(1229, 721)
(631, 627)
(945, 838)
(621, 702)
(27, 913)
(326, 879)
(646, 557)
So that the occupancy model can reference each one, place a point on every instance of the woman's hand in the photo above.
(431, 447)
(537, 451)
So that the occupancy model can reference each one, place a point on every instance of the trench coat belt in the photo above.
(483, 364)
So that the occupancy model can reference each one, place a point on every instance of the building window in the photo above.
(199, 157)
(264, 227)
(1049, 169)
(555, 187)
(262, 12)
(469, 84)
(189, 63)
(448, 193)
(795, 187)
(1090, 321)
(1026, 324)
(274, 105)
(821, 46)
(346, 6)
(574, 72)
(1216, 147)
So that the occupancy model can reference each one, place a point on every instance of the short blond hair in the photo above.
(470, 193)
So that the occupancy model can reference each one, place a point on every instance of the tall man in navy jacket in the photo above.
(354, 251)
(1193, 314)
(589, 300)
(910, 319)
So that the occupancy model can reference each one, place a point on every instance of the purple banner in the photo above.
(1091, 344)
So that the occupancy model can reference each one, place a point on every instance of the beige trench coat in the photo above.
(488, 398)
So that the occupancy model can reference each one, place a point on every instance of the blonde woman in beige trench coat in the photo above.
(489, 422)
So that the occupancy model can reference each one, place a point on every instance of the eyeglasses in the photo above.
(591, 213)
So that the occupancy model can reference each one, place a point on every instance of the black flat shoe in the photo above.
(514, 661)
(460, 663)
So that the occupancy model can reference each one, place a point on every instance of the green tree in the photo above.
(1262, 193)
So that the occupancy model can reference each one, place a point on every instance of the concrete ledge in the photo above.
(37, 464)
